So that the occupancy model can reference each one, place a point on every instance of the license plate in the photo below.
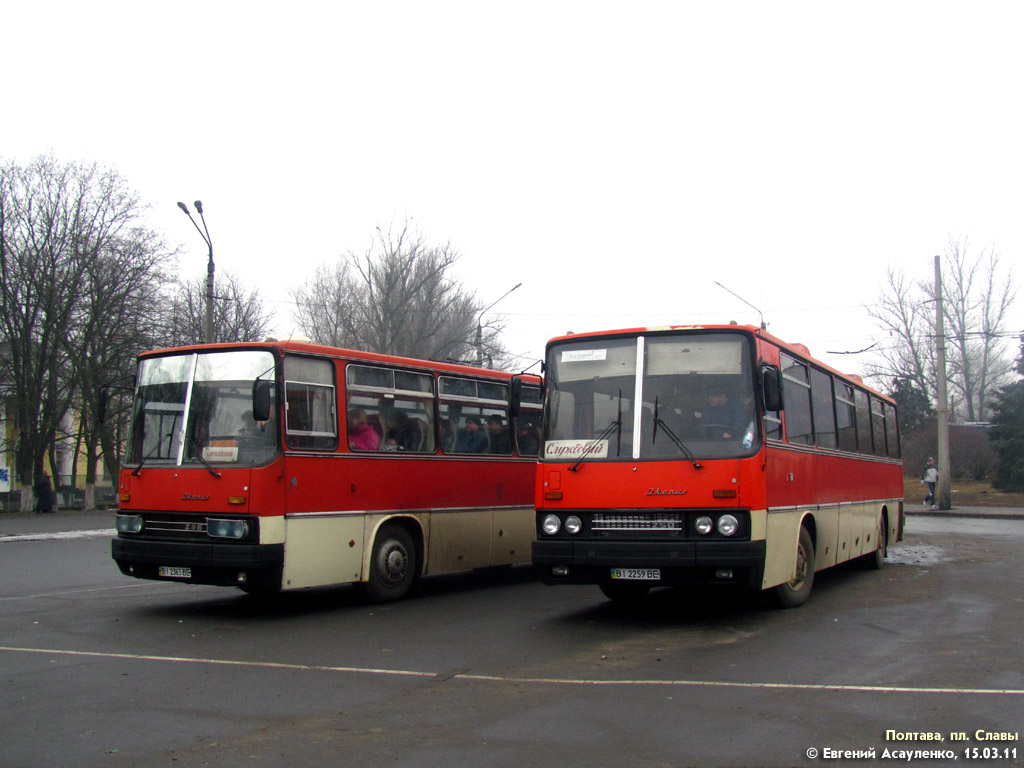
(170, 572)
(637, 574)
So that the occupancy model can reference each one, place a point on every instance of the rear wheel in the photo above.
(392, 565)
(794, 593)
(876, 560)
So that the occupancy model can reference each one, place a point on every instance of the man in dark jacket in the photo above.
(44, 494)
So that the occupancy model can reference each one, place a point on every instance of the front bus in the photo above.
(664, 463)
(203, 443)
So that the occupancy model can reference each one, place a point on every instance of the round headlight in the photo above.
(728, 525)
(573, 524)
(551, 525)
(703, 525)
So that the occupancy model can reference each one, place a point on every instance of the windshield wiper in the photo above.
(683, 449)
(137, 472)
(594, 443)
(614, 426)
(199, 455)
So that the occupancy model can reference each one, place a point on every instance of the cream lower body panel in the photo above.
(842, 532)
(336, 548)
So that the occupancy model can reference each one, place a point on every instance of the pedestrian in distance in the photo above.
(930, 478)
(44, 494)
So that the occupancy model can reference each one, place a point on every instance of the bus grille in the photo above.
(186, 529)
(668, 522)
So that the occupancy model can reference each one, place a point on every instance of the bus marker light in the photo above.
(724, 493)
(724, 574)
(236, 499)
(124, 497)
(552, 495)
(703, 525)
(551, 525)
(559, 570)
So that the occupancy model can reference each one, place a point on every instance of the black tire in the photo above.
(625, 592)
(793, 594)
(875, 561)
(393, 566)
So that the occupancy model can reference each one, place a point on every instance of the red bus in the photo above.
(709, 455)
(282, 465)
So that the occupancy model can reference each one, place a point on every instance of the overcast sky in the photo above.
(616, 159)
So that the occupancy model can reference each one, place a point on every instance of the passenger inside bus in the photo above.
(498, 435)
(471, 438)
(361, 436)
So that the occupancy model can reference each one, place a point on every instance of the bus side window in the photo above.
(797, 397)
(309, 398)
(390, 410)
(528, 421)
(474, 416)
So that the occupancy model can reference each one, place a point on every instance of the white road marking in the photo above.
(60, 535)
(445, 676)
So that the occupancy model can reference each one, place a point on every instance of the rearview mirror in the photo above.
(261, 399)
(771, 387)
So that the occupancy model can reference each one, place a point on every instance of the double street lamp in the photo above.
(205, 234)
(480, 329)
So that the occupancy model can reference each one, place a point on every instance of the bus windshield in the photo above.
(657, 396)
(196, 409)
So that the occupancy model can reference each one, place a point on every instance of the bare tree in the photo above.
(119, 317)
(977, 297)
(56, 223)
(238, 312)
(399, 297)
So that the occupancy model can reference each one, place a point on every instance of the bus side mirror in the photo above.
(261, 399)
(101, 404)
(515, 396)
(771, 386)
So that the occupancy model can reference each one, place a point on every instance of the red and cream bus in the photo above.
(709, 455)
(282, 465)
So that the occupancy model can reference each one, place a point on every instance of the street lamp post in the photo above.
(205, 234)
(479, 326)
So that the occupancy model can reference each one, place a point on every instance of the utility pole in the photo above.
(479, 344)
(943, 492)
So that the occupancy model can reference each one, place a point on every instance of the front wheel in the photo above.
(392, 565)
(795, 592)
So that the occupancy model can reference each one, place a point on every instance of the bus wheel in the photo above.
(625, 592)
(876, 560)
(795, 593)
(392, 566)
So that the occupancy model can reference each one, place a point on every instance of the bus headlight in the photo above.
(226, 529)
(728, 525)
(551, 525)
(129, 524)
(573, 524)
(703, 525)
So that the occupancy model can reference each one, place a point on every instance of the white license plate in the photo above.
(170, 572)
(637, 574)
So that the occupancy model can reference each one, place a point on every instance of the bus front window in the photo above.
(662, 396)
(196, 409)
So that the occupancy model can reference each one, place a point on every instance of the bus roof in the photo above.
(797, 350)
(307, 347)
